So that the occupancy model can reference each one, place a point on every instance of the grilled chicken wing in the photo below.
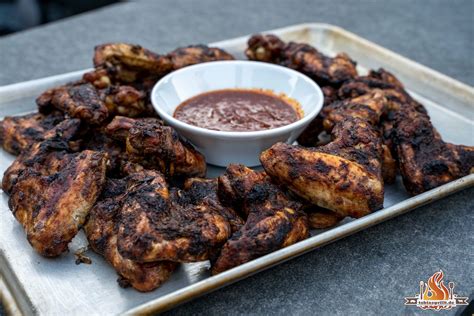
(273, 221)
(158, 147)
(52, 205)
(132, 63)
(196, 54)
(19, 133)
(101, 231)
(424, 159)
(302, 57)
(45, 156)
(133, 57)
(344, 176)
(78, 100)
(154, 228)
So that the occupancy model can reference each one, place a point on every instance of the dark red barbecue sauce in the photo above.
(238, 110)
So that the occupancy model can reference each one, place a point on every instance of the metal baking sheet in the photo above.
(35, 285)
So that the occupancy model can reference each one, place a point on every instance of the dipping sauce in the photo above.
(239, 110)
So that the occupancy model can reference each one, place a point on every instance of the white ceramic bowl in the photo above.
(222, 148)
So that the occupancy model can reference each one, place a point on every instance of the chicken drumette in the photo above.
(158, 147)
(302, 57)
(272, 220)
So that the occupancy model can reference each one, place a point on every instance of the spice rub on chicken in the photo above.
(272, 220)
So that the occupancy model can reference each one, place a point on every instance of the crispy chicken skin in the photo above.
(131, 56)
(46, 156)
(302, 57)
(19, 133)
(344, 176)
(158, 147)
(310, 136)
(126, 100)
(273, 221)
(52, 207)
(424, 159)
(96, 139)
(78, 100)
(101, 231)
(153, 227)
(320, 218)
(131, 63)
(196, 54)
(198, 189)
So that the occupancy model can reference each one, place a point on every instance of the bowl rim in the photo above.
(306, 119)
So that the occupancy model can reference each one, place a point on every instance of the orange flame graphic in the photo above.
(435, 289)
(434, 295)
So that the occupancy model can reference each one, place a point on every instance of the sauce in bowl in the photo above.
(239, 110)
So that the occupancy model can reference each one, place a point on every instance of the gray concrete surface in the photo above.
(366, 274)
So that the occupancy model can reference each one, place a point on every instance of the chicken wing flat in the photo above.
(101, 231)
(46, 156)
(273, 221)
(18, 133)
(196, 54)
(52, 207)
(159, 147)
(344, 176)
(133, 57)
(154, 228)
(302, 57)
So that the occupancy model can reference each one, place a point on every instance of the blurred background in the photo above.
(17, 15)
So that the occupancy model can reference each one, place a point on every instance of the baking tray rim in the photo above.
(165, 302)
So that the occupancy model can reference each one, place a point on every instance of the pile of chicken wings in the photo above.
(97, 157)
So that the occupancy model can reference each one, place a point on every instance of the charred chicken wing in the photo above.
(52, 207)
(273, 221)
(424, 159)
(302, 57)
(19, 133)
(159, 147)
(344, 176)
(154, 228)
(196, 190)
(101, 231)
(45, 156)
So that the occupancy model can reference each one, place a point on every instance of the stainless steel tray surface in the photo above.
(34, 284)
